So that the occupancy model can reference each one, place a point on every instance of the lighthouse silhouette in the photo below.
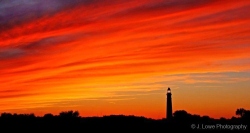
(169, 112)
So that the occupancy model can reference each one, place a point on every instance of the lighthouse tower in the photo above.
(169, 112)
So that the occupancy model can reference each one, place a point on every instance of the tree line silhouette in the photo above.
(72, 121)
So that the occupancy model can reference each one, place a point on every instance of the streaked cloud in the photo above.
(11, 53)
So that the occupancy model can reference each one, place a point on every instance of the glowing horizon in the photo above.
(106, 57)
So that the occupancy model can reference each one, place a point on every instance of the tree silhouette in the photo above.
(240, 112)
(69, 114)
(181, 115)
(246, 115)
(71, 120)
(48, 115)
(6, 115)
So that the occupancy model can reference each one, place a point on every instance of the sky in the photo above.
(119, 57)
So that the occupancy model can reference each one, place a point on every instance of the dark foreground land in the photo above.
(70, 121)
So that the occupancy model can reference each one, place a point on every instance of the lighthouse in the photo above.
(169, 113)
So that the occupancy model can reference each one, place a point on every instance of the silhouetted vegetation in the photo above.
(72, 121)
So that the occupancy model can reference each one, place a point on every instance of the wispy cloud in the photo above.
(11, 53)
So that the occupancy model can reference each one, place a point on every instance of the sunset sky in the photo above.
(104, 57)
